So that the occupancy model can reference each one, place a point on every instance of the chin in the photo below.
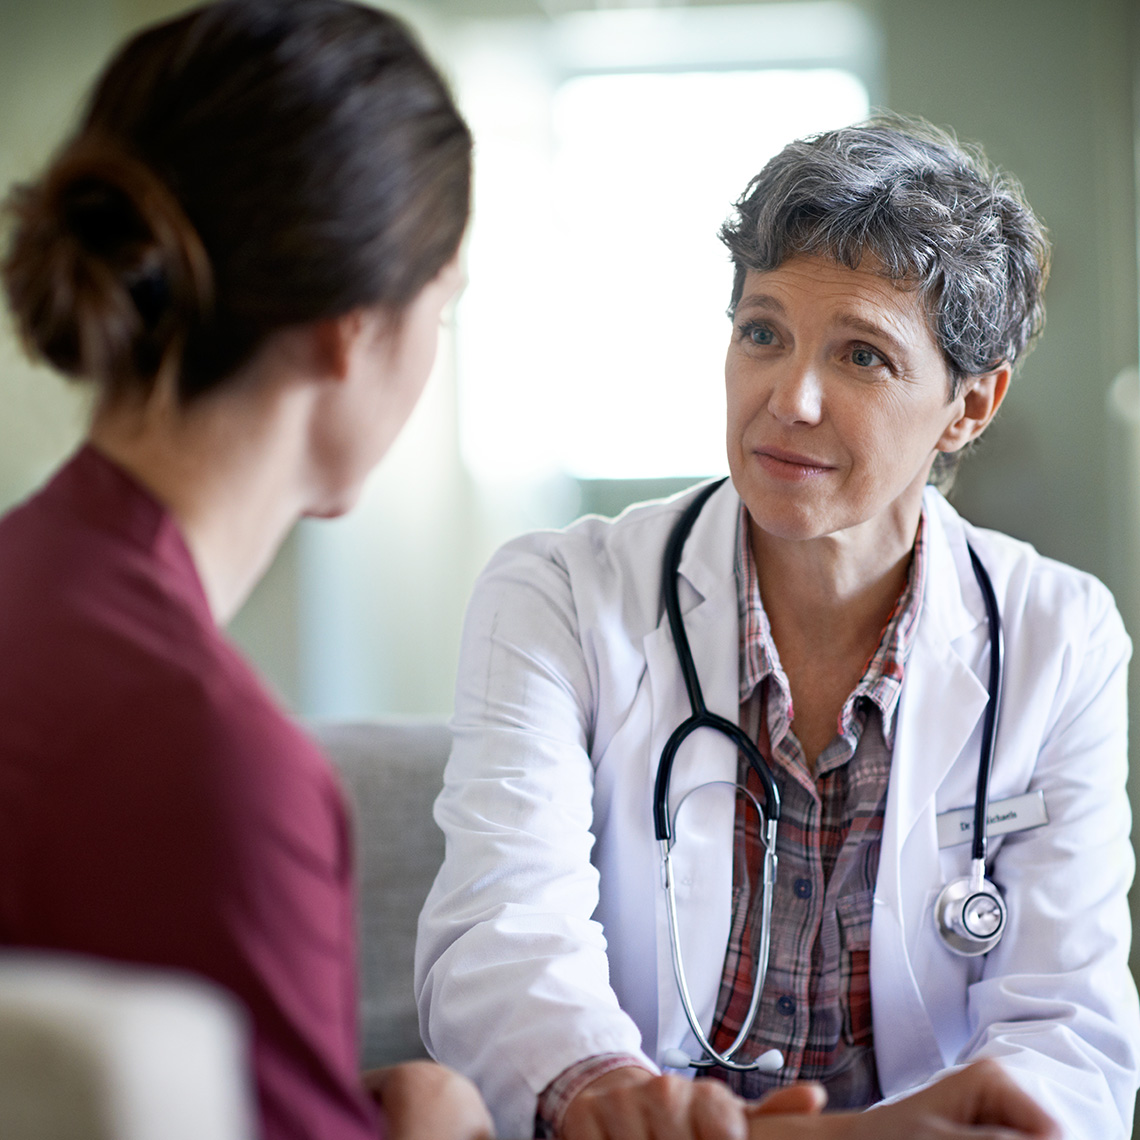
(333, 508)
(787, 521)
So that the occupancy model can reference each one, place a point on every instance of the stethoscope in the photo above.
(970, 913)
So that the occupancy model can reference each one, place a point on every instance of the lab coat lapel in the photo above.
(941, 705)
(702, 859)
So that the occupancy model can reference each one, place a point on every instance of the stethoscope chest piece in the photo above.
(971, 916)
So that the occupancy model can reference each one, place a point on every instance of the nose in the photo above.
(797, 394)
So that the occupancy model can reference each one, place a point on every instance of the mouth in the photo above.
(790, 464)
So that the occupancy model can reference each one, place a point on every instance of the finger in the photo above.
(975, 1132)
(654, 1110)
(804, 1097)
(672, 1102)
(608, 1119)
(716, 1113)
(985, 1094)
(582, 1127)
(604, 1121)
(894, 1122)
(1004, 1102)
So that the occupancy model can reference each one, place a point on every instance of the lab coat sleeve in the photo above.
(1055, 1001)
(512, 979)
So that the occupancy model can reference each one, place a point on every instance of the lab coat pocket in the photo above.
(854, 913)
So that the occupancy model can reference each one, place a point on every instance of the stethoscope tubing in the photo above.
(700, 717)
(993, 705)
(724, 1060)
(769, 814)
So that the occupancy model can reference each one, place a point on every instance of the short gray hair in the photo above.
(935, 215)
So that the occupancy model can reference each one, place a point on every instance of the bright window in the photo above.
(591, 339)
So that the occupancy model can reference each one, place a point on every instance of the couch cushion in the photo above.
(392, 772)
(91, 1050)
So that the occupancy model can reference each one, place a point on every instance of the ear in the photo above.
(334, 341)
(975, 405)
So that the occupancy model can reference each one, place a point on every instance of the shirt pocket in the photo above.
(854, 914)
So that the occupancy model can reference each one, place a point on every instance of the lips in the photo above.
(790, 464)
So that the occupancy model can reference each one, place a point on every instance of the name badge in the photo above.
(1018, 814)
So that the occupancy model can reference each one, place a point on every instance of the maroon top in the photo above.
(155, 804)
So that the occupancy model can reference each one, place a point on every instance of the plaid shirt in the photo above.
(816, 1006)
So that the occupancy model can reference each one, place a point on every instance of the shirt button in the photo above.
(803, 888)
(786, 1005)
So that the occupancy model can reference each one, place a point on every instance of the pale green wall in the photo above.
(1048, 87)
(48, 55)
(1044, 85)
(50, 51)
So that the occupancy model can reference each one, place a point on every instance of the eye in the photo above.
(758, 334)
(865, 357)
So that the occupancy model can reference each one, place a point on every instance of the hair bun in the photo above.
(105, 274)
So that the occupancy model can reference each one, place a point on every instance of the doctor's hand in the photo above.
(633, 1104)
(980, 1101)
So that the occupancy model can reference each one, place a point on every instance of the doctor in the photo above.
(886, 283)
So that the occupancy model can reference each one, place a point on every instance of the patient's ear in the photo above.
(333, 341)
(976, 405)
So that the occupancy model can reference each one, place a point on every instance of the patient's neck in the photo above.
(228, 469)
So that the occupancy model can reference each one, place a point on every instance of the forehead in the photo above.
(834, 295)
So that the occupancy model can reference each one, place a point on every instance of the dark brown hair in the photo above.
(250, 165)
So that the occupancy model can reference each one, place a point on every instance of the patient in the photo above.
(246, 249)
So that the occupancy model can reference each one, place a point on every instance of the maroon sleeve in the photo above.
(155, 804)
(205, 832)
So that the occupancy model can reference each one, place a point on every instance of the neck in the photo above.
(834, 594)
(226, 468)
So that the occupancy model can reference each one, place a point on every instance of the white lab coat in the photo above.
(544, 940)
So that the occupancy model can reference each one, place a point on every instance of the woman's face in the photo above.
(404, 358)
(838, 400)
(387, 366)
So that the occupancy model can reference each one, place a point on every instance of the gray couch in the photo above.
(90, 1051)
(392, 772)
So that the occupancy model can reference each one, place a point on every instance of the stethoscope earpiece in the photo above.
(770, 1062)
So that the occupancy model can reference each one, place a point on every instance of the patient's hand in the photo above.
(632, 1102)
(425, 1101)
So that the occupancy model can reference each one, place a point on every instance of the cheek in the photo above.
(743, 396)
(421, 359)
(893, 438)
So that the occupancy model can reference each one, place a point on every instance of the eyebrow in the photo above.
(871, 329)
(846, 320)
(761, 301)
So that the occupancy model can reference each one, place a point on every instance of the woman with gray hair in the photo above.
(731, 793)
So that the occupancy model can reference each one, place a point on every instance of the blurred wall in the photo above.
(50, 51)
(1046, 86)
(362, 616)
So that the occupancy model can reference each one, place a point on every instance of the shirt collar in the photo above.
(881, 683)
